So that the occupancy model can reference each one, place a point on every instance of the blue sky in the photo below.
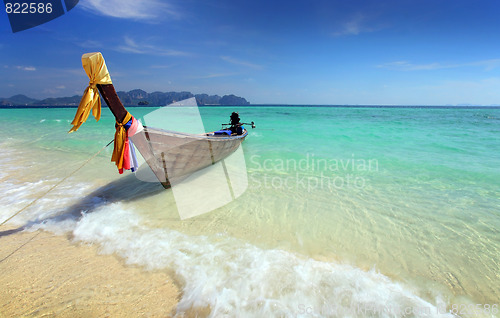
(421, 52)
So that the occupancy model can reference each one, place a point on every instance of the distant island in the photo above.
(136, 97)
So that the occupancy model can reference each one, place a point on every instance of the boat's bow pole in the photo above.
(111, 98)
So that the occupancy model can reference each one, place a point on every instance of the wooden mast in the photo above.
(109, 95)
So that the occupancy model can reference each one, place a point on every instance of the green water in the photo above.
(411, 192)
(428, 205)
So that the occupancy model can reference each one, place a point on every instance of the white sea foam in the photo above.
(225, 275)
(238, 279)
(18, 192)
(17, 196)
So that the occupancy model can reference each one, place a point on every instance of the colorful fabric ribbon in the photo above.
(134, 165)
(96, 69)
(121, 142)
(128, 156)
(135, 127)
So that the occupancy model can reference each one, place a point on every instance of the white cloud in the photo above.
(479, 92)
(162, 66)
(60, 87)
(50, 91)
(407, 66)
(90, 44)
(240, 62)
(355, 25)
(131, 46)
(488, 65)
(26, 68)
(214, 75)
(130, 9)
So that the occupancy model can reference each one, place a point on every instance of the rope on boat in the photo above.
(57, 184)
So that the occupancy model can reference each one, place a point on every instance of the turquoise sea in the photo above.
(349, 211)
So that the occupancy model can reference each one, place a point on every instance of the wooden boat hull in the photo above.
(173, 155)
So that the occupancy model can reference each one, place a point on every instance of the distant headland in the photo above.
(136, 97)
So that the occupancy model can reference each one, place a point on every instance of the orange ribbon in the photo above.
(120, 139)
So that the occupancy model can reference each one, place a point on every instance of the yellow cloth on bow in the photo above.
(120, 137)
(96, 69)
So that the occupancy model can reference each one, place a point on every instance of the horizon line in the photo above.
(277, 105)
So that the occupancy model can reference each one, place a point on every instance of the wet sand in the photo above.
(45, 275)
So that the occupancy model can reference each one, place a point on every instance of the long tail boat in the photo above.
(171, 155)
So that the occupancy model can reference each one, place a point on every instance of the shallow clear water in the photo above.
(392, 208)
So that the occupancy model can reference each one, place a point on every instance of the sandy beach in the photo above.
(45, 275)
